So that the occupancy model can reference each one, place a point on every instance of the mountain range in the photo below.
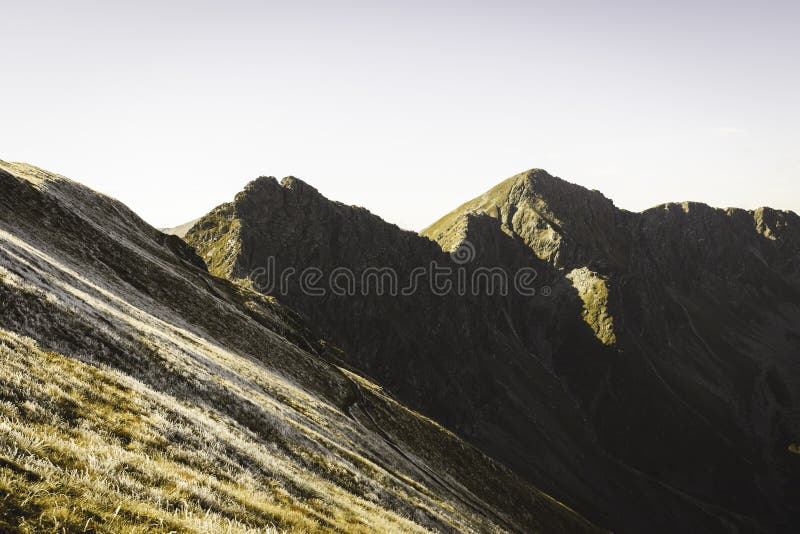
(645, 380)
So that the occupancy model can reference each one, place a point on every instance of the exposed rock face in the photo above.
(593, 291)
(654, 388)
(136, 390)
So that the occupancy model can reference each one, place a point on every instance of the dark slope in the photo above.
(137, 391)
(701, 308)
(570, 390)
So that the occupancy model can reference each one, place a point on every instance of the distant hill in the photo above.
(179, 230)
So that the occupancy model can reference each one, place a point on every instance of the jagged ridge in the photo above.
(664, 359)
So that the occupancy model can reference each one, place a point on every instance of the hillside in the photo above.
(179, 230)
(651, 380)
(140, 393)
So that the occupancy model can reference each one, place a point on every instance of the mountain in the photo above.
(179, 230)
(650, 379)
(138, 392)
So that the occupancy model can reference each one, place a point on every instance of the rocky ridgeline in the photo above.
(650, 383)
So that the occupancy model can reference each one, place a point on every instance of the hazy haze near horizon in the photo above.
(409, 108)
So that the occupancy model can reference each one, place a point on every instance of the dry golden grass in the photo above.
(84, 448)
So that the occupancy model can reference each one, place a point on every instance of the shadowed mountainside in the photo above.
(651, 383)
(140, 393)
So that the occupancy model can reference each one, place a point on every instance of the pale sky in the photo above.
(408, 108)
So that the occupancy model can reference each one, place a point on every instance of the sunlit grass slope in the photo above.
(139, 393)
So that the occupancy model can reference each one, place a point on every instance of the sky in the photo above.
(407, 108)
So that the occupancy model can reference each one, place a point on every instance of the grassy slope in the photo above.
(139, 393)
(87, 447)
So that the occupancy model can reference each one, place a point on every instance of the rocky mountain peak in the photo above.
(267, 195)
(266, 185)
(296, 184)
(260, 186)
(563, 223)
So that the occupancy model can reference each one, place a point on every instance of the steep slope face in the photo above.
(291, 224)
(138, 392)
(533, 380)
(701, 310)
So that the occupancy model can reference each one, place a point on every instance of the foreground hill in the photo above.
(140, 393)
(651, 381)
